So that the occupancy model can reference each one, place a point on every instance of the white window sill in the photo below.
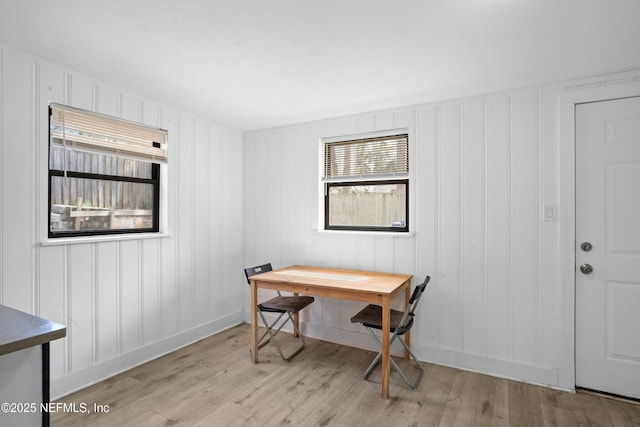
(368, 233)
(96, 239)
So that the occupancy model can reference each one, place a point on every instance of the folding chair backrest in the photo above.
(252, 271)
(417, 293)
(407, 318)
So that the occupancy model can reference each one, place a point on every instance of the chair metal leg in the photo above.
(272, 335)
(373, 364)
(418, 365)
(270, 328)
(378, 356)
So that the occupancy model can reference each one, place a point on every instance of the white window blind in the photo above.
(96, 133)
(371, 158)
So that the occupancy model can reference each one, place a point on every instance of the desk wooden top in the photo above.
(19, 330)
(333, 282)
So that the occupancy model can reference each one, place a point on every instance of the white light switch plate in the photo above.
(550, 212)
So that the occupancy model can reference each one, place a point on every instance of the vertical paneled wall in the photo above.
(482, 168)
(124, 301)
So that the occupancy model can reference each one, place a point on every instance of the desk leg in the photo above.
(386, 331)
(407, 335)
(254, 321)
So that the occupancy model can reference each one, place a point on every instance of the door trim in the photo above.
(624, 85)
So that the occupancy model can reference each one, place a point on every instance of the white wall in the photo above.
(123, 302)
(501, 295)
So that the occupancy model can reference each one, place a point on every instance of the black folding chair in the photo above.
(401, 323)
(285, 306)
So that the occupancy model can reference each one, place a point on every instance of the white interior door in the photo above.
(608, 218)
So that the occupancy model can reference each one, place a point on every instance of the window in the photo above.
(104, 174)
(366, 184)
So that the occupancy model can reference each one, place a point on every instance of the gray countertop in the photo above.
(19, 330)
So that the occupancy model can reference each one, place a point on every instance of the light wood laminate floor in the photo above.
(214, 383)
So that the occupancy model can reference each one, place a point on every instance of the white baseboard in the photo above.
(74, 381)
(485, 365)
(507, 369)
(344, 337)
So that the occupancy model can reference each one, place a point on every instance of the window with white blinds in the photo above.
(369, 158)
(96, 133)
(366, 183)
(104, 174)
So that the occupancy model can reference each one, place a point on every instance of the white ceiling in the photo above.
(254, 64)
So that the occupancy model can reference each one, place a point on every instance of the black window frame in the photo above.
(327, 207)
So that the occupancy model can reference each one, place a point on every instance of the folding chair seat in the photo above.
(401, 322)
(285, 307)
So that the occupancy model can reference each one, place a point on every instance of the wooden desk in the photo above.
(365, 286)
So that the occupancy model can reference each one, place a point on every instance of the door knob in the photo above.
(586, 268)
